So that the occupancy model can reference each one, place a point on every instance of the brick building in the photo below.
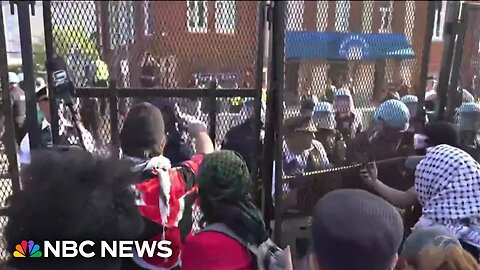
(219, 39)
(192, 40)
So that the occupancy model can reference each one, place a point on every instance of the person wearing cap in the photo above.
(43, 117)
(165, 193)
(468, 122)
(301, 152)
(18, 103)
(390, 121)
(242, 138)
(383, 141)
(447, 185)
(434, 248)
(349, 123)
(327, 135)
(355, 230)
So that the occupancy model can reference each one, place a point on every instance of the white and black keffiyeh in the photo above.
(447, 183)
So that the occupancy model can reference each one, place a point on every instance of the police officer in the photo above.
(301, 152)
(390, 120)
(331, 139)
(468, 126)
(383, 141)
(349, 123)
(17, 96)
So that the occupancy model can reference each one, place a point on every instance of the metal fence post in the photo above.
(114, 127)
(9, 136)
(258, 88)
(32, 127)
(212, 110)
(449, 34)
(420, 91)
(49, 51)
(277, 91)
(457, 61)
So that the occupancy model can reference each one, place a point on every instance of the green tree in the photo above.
(67, 37)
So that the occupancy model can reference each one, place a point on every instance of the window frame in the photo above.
(387, 10)
(148, 21)
(193, 17)
(223, 15)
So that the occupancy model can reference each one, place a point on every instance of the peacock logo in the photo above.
(27, 249)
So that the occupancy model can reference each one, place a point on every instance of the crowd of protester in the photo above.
(171, 183)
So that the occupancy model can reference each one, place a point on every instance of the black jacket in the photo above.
(241, 139)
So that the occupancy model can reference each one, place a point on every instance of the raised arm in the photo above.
(398, 198)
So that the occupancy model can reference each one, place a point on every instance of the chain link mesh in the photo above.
(319, 77)
(185, 44)
(5, 181)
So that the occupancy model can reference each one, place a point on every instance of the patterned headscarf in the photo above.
(447, 183)
(223, 188)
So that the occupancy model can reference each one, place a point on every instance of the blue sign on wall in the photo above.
(346, 46)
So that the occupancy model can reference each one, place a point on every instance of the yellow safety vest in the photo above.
(102, 70)
(237, 101)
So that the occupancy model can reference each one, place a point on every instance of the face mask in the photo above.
(420, 141)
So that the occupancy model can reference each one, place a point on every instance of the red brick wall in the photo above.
(205, 52)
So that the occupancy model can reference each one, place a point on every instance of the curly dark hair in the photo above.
(69, 194)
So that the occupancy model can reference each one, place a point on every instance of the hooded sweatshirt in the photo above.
(165, 196)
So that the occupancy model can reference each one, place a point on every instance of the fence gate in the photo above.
(322, 48)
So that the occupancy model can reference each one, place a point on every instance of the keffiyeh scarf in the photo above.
(447, 183)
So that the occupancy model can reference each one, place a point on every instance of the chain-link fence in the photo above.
(5, 179)
(158, 49)
(342, 59)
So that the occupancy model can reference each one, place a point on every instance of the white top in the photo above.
(302, 160)
(23, 154)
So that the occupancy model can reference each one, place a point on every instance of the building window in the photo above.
(148, 20)
(225, 17)
(367, 18)
(386, 11)
(342, 16)
(295, 11)
(197, 16)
